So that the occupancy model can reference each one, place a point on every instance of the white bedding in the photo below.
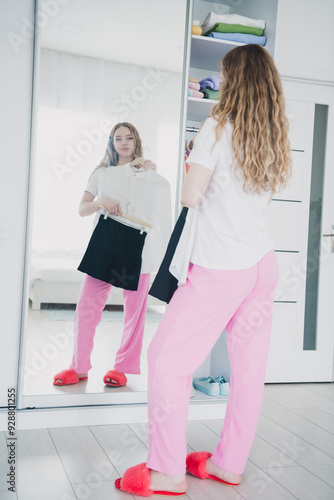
(56, 265)
(54, 279)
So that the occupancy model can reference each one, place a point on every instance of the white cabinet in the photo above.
(205, 58)
(304, 45)
(300, 52)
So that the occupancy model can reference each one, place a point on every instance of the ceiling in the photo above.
(141, 32)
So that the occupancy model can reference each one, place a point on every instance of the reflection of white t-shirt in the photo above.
(231, 224)
(144, 195)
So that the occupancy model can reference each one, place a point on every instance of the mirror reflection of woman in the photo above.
(124, 151)
(230, 283)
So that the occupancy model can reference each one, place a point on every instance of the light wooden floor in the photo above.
(292, 456)
(49, 349)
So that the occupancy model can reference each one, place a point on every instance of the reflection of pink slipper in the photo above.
(137, 480)
(68, 377)
(196, 466)
(119, 377)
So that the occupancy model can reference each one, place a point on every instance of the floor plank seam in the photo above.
(134, 432)
(272, 399)
(307, 419)
(311, 422)
(62, 464)
(311, 471)
(302, 398)
(303, 439)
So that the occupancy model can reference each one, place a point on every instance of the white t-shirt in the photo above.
(231, 224)
(141, 194)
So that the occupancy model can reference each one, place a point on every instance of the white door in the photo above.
(300, 220)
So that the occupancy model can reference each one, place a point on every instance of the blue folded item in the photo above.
(239, 37)
(210, 82)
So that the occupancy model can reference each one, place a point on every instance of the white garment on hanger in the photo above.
(182, 255)
(141, 194)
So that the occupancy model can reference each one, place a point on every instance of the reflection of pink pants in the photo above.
(93, 297)
(240, 301)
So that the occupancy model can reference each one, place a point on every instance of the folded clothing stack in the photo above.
(196, 29)
(235, 28)
(194, 88)
(209, 86)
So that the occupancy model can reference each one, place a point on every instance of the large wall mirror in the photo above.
(98, 63)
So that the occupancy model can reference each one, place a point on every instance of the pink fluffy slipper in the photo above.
(137, 480)
(120, 378)
(68, 377)
(196, 466)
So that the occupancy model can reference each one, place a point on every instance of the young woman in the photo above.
(123, 176)
(240, 158)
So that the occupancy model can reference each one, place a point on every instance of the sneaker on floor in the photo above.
(208, 385)
(192, 394)
(224, 386)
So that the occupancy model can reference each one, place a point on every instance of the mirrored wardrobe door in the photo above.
(98, 64)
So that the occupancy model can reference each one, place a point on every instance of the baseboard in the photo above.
(102, 415)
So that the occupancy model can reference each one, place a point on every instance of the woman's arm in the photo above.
(195, 185)
(88, 206)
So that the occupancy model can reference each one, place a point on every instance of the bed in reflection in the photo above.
(54, 279)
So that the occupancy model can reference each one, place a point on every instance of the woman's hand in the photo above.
(113, 206)
(149, 165)
(145, 164)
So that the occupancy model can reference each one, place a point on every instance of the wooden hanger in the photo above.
(134, 219)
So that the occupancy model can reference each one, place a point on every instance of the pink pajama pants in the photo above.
(240, 301)
(88, 314)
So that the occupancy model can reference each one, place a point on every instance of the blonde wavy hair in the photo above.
(252, 99)
(111, 157)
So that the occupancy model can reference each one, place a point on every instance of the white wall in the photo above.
(15, 104)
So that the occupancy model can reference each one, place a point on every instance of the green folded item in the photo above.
(235, 28)
(211, 94)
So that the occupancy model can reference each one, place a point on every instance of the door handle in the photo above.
(328, 235)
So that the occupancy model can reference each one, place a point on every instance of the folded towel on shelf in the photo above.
(195, 93)
(194, 85)
(195, 22)
(196, 30)
(239, 37)
(193, 80)
(211, 94)
(212, 18)
(210, 82)
(235, 28)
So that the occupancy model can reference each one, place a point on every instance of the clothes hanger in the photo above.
(133, 219)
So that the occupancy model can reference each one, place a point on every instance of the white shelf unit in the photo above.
(289, 212)
(199, 109)
(206, 52)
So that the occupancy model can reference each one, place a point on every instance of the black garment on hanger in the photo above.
(114, 253)
(165, 284)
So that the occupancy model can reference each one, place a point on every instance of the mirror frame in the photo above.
(45, 401)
